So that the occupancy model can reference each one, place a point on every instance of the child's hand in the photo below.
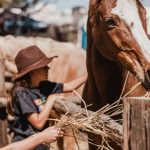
(51, 134)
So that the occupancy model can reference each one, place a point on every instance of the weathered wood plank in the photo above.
(147, 123)
(3, 127)
(3, 102)
(136, 120)
(3, 115)
(2, 78)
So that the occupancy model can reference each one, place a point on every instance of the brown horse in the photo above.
(117, 43)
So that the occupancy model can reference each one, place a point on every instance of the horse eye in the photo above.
(110, 22)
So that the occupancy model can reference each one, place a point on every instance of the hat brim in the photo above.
(42, 64)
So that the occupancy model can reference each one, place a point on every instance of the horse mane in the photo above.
(142, 12)
(89, 45)
(92, 7)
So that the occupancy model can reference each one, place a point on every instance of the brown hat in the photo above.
(30, 58)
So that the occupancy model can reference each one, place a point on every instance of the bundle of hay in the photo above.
(99, 123)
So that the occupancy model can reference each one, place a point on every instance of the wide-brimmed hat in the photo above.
(30, 58)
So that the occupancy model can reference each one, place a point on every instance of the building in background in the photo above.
(65, 24)
(53, 17)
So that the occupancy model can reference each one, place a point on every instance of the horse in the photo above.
(70, 64)
(118, 52)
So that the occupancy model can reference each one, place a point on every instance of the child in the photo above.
(32, 106)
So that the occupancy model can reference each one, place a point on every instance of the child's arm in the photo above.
(70, 86)
(47, 136)
(38, 120)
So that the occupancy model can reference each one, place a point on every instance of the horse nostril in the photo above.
(148, 73)
(146, 82)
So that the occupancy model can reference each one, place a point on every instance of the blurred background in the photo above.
(62, 20)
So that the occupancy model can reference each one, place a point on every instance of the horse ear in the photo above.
(139, 2)
(142, 13)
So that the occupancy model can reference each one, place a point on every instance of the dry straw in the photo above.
(98, 123)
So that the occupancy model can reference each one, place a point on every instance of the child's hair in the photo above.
(23, 82)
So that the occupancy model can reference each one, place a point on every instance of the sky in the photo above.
(65, 4)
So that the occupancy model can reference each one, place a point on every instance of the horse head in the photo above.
(118, 31)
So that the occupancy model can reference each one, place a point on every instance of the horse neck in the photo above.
(106, 80)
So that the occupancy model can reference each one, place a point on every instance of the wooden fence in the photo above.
(3, 114)
(136, 119)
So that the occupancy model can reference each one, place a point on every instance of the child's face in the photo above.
(40, 74)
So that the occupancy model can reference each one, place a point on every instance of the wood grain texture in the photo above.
(136, 123)
(3, 114)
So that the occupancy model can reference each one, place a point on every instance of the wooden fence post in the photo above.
(3, 115)
(136, 122)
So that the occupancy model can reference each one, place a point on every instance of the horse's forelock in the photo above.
(93, 9)
(93, 6)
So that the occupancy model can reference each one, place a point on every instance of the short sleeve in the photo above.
(58, 88)
(26, 102)
(47, 87)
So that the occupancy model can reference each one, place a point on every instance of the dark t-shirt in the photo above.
(28, 101)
